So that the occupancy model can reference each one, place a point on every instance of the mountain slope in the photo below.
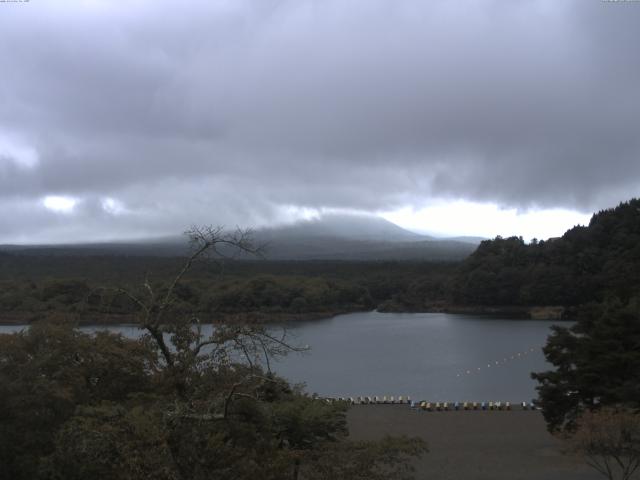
(349, 227)
(331, 237)
(355, 237)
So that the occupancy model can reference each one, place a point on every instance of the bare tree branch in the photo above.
(187, 343)
(609, 441)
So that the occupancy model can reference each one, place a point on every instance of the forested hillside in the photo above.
(586, 264)
(596, 269)
(34, 287)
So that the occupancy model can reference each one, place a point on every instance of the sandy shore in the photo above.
(489, 445)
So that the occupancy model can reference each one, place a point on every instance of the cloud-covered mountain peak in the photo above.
(347, 226)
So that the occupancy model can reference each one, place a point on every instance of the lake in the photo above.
(433, 356)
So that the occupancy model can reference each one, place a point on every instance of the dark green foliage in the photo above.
(597, 364)
(301, 424)
(268, 288)
(287, 294)
(45, 372)
(77, 406)
(110, 441)
(586, 264)
(65, 291)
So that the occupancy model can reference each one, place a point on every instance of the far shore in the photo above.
(524, 312)
(557, 313)
(27, 318)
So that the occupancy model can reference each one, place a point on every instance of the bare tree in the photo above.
(183, 348)
(609, 441)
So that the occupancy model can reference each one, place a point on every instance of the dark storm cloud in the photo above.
(232, 111)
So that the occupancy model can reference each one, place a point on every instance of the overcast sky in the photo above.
(124, 119)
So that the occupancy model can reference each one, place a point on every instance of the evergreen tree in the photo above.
(597, 363)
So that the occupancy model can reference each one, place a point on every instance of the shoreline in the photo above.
(520, 312)
(83, 319)
(556, 313)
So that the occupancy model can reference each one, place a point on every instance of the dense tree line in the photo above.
(270, 288)
(262, 293)
(586, 264)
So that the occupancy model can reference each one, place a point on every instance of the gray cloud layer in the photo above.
(228, 111)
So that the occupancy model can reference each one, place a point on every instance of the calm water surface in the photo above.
(439, 357)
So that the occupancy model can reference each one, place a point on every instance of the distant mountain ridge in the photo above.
(330, 237)
(356, 237)
(352, 227)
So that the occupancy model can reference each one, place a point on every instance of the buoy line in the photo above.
(497, 363)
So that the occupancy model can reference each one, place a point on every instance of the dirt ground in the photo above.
(477, 445)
